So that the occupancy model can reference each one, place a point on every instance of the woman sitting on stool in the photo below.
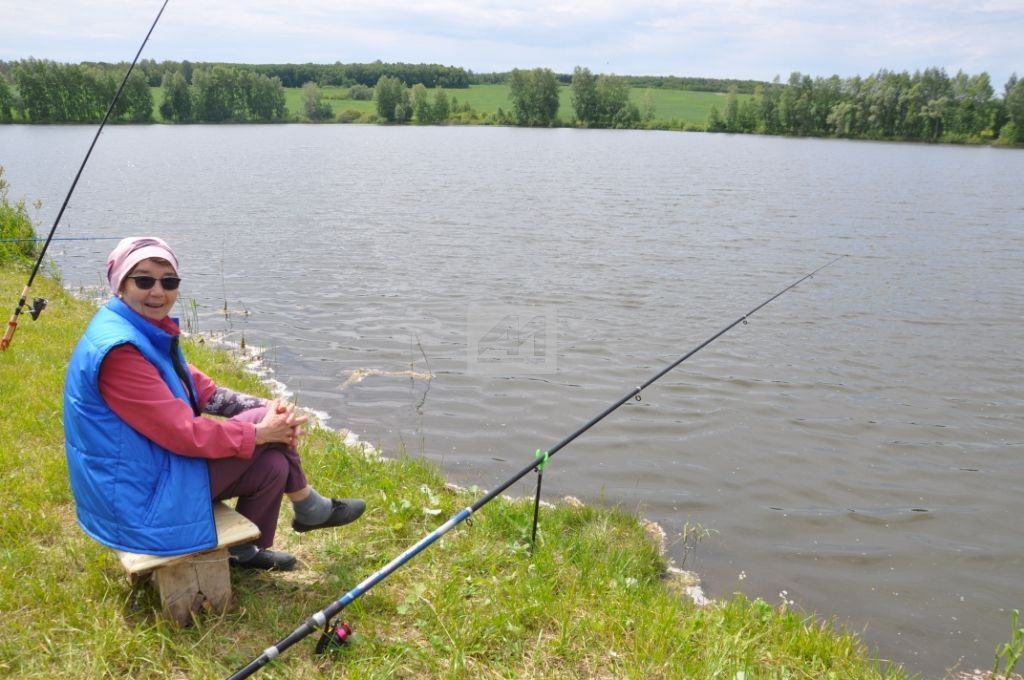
(145, 465)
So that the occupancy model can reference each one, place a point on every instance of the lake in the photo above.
(473, 294)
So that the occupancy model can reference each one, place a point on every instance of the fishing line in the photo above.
(38, 304)
(335, 633)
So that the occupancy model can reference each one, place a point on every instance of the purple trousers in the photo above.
(259, 482)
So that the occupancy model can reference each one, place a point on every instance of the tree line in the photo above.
(397, 103)
(49, 92)
(926, 106)
(368, 74)
(222, 93)
(693, 84)
(297, 75)
(656, 82)
(598, 101)
(44, 91)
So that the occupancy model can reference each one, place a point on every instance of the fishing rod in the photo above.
(38, 304)
(334, 634)
(61, 238)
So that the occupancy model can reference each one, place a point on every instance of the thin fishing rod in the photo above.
(323, 617)
(61, 238)
(12, 324)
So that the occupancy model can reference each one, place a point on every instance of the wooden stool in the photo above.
(189, 583)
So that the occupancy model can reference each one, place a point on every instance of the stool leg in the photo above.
(187, 586)
(179, 591)
(214, 578)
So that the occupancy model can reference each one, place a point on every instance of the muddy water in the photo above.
(475, 294)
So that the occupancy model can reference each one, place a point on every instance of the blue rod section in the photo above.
(319, 619)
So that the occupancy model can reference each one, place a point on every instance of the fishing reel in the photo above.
(334, 637)
(38, 305)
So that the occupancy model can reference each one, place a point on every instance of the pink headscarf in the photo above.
(133, 250)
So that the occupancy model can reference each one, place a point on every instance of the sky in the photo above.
(744, 39)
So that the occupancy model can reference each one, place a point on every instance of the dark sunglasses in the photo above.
(147, 282)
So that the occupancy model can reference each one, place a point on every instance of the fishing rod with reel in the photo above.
(39, 304)
(336, 633)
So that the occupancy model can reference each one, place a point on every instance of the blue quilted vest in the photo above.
(130, 493)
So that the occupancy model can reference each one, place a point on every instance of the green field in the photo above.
(675, 108)
(690, 108)
(483, 99)
(336, 96)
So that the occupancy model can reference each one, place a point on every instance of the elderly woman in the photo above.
(145, 465)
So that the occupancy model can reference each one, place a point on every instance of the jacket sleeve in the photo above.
(220, 401)
(134, 390)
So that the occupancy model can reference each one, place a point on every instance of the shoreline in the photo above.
(684, 583)
(251, 359)
(481, 603)
(660, 126)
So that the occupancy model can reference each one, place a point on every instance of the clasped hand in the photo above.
(281, 424)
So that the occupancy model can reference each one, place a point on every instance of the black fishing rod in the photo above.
(39, 304)
(335, 633)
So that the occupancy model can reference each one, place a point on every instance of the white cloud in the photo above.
(726, 38)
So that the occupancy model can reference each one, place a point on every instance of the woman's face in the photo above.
(155, 303)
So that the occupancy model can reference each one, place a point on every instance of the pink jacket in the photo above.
(134, 391)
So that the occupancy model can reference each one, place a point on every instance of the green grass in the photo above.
(483, 99)
(672, 108)
(337, 97)
(489, 98)
(689, 108)
(589, 603)
(15, 225)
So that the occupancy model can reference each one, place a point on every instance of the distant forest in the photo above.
(928, 105)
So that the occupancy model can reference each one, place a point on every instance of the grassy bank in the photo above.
(591, 602)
